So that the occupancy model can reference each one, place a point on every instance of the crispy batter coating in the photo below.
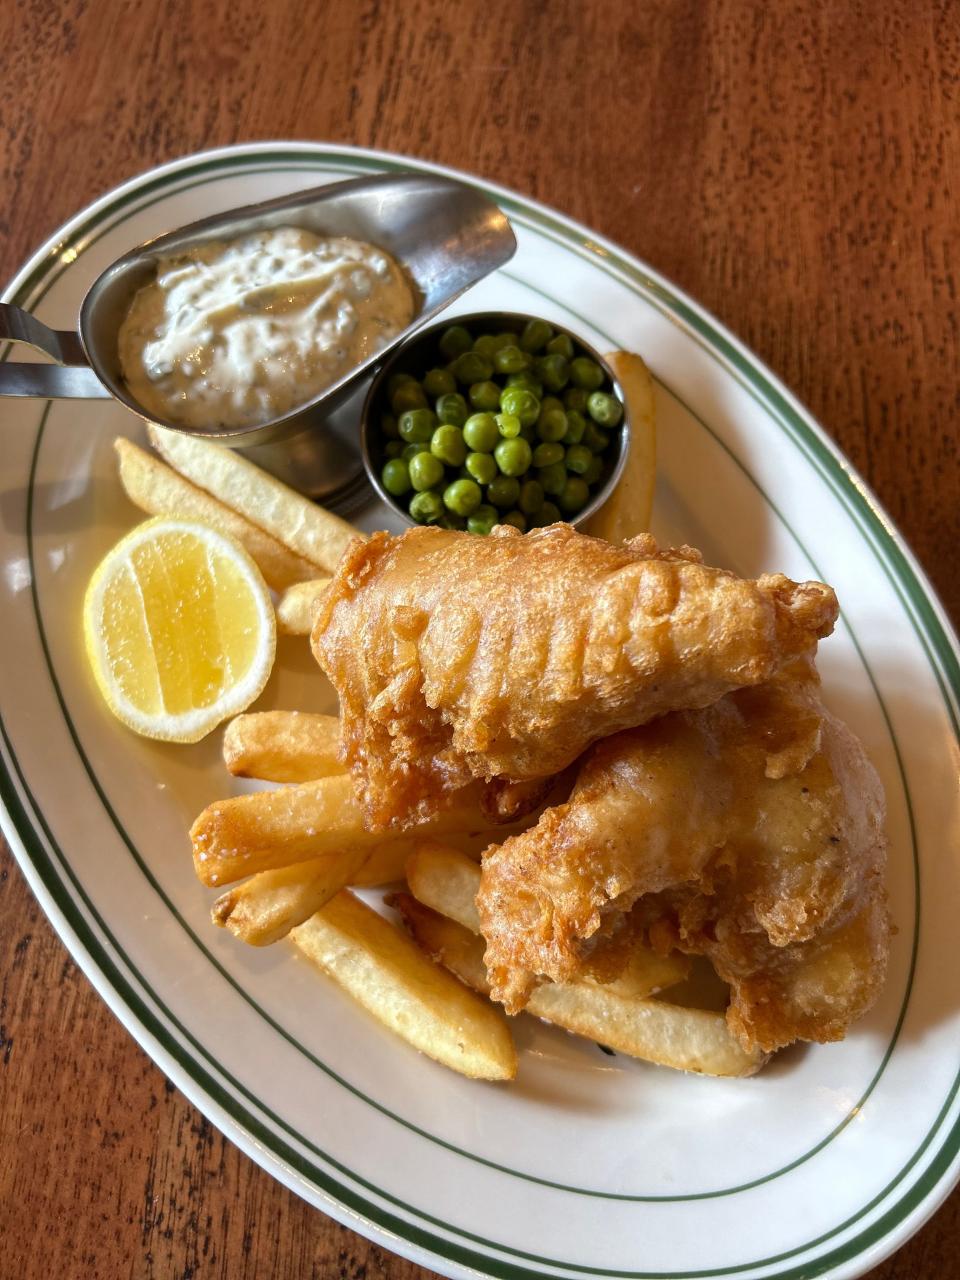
(750, 832)
(460, 657)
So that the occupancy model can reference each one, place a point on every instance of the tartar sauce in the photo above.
(235, 333)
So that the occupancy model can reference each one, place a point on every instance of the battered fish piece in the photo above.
(459, 657)
(750, 832)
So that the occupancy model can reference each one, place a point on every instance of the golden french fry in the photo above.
(282, 746)
(627, 511)
(444, 940)
(384, 865)
(270, 829)
(667, 1034)
(264, 909)
(307, 529)
(297, 606)
(391, 977)
(243, 835)
(647, 1028)
(159, 490)
(446, 880)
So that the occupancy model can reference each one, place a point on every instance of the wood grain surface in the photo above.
(792, 165)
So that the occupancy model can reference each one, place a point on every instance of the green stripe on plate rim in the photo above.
(141, 863)
(841, 481)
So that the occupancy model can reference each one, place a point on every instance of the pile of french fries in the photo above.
(294, 543)
(287, 861)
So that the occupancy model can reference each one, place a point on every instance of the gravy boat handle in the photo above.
(71, 378)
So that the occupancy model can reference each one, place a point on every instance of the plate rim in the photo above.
(945, 645)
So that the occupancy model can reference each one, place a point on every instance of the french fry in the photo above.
(271, 829)
(243, 835)
(384, 865)
(307, 529)
(391, 977)
(159, 490)
(651, 1029)
(627, 511)
(264, 909)
(282, 746)
(446, 880)
(297, 607)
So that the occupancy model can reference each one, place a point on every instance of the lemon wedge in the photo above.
(179, 629)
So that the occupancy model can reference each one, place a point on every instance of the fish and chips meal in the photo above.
(573, 774)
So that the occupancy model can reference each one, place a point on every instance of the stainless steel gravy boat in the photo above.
(446, 234)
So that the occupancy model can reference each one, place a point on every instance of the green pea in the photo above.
(513, 456)
(426, 507)
(576, 426)
(388, 425)
(471, 367)
(552, 424)
(508, 424)
(397, 380)
(408, 395)
(452, 409)
(604, 409)
(523, 404)
(595, 439)
(575, 398)
(545, 455)
(553, 478)
(531, 497)
(483, 519)
(439, 382)
(452, 522)
(416, 425)
(455, 341)
(527, 382)
(411, 451)
(395, 477)
(448, 445)
(574, 496)
(462, 497)
(488, 344)
(511, 360)
(549, 513)
(586, 373)
(536, 334)
(517, 519)
(593, 472)
(393, 449)
(484, 396)
(481, 467)
(561, 345)
(504, 491)
(426, 471)
(552, 370)
(579, 458)
(481, 432)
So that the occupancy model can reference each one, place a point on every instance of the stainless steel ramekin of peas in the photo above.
(494, 418)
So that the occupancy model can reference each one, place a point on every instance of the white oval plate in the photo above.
(588, 1165)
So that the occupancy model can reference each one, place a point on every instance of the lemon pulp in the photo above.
(179, 629)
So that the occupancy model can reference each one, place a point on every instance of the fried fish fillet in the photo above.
(750, 832)
(458, 657)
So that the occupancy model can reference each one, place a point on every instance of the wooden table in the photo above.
(792, 165)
